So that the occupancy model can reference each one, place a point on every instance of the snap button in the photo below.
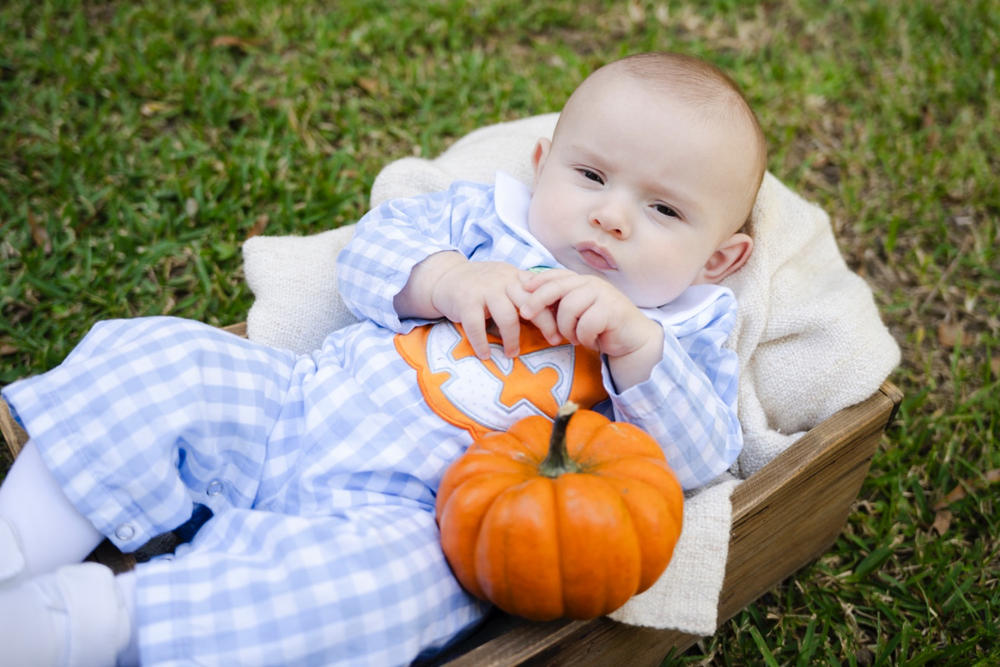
(214, 487)
(124, 532)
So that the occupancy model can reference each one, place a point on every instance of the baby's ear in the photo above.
(538, 155)
(727, 259)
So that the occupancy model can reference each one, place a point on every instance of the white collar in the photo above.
(691, 301)
(512, 199)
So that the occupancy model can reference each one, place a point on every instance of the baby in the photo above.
(479, 305)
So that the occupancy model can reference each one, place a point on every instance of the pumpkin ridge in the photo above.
(506, 584)
(633, 529)
(616, 439)
(637, 538)
(674, 524)
(655, 474)
(606, 580)
(558, 526)
(475, 465)
(505, 446)
(453, 511)
(550, 511)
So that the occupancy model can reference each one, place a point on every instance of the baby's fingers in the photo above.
(545, 321)
(533, 281)
(572, 308)
(590, 326)
(474, 324)
(543, 318)
(545, 294)
(508, 322)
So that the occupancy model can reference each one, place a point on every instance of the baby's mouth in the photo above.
(596, 257)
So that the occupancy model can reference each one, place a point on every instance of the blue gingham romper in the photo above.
(320, 469)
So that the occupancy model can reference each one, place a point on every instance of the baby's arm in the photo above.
(408, 261)
(589, 311)
(689, 403)
(678, 383)
(388, 242)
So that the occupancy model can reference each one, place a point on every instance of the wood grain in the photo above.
(13, 434)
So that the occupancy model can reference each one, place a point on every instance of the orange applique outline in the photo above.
(519, 383)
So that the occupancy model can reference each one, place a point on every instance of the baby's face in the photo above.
(640, 189)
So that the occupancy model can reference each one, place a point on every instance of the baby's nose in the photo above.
(613, 221)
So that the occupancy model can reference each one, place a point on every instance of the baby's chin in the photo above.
(650, 297)
(643, 296)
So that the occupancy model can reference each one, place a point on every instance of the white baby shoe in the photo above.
(12, 564)
(76, 616)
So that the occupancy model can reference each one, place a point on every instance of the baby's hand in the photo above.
(590, 311)
(471, 293)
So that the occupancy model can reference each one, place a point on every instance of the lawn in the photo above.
(141, 143)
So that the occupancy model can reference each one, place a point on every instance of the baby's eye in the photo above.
(591, 175)
(663, 209)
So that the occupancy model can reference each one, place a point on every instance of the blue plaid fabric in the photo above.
(689, 402)
(320, 469)
(395, 236)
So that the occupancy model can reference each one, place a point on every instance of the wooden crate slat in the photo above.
(13, 434)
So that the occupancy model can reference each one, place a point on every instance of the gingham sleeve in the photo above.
(393, 237)
(689, 402)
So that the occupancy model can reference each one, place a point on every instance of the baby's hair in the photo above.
(698, 82)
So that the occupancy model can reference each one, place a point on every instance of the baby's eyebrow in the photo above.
(583, 154)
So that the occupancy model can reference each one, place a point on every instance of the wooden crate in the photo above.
(784, 516)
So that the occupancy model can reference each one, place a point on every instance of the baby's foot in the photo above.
(12, 565)
(74, 616)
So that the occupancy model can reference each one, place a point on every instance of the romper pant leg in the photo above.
(145, 414)
(365, 586)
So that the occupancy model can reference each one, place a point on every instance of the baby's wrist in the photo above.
(636, 366)
(443, 264)
(417, 297)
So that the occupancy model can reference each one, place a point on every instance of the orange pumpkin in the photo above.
(565, 519)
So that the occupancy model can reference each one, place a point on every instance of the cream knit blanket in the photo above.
(809, 338)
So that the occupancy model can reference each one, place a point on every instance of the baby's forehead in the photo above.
(681, 99)
(713, 98)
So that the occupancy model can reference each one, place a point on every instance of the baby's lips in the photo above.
(597, 257)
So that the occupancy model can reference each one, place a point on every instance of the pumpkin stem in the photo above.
(558, 460)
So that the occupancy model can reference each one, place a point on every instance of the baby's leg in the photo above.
(368, 585)
(145, 418)
(39, 528)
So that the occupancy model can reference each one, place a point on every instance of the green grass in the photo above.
(141, 143)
